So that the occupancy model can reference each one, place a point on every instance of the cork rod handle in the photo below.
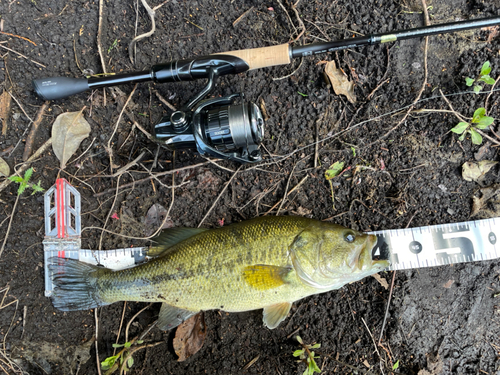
(263, 57)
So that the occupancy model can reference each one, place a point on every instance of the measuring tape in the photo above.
(438, 245)
(429, 246)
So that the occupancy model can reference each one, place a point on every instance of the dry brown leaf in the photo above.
(448, 284)
(339, 81)
(381, 280)
(435, 365)
(155, 216)
(493, 33)
(472, 171)
(487, 205)
(68, 131)
(5, 100)
(4, 168)
(190, 336)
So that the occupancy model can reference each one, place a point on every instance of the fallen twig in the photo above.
(20, 54)
(108, 147)
(10, 224)
(129, 165)
(162, 99)
(375, 345)
(150, 177)
(290, 192)
(387, 308)
(151, 14)
(238, 20)
(491, 92)
(99, 48)
(301, 24)
(18, 36)
(218, 197)
(31, 136)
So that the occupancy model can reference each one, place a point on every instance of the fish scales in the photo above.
(206, 272)
(267, 262)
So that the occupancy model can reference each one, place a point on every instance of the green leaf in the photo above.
(22, 187)
(460, 127)
(484, 122)
(117, 345)
(477, 89)
(333, 171)
(315, 346)
(17, 179)
(462, 137)
(130, 362)
(299, 339)
(488, 80)
(314, 367)
(486, 69)
(353, 152)
(478, 113)
(109, 362)
(304, 95)
(476, 137)
(298, 353)
(37, 188)
(469, 81)
(127, 344)
(396, 365)
(139, 341)
(27, 174)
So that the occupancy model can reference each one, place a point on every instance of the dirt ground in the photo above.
(443, 320)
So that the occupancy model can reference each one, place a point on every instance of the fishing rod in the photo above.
(218, 127)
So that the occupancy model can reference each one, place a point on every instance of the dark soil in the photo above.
(414, 180)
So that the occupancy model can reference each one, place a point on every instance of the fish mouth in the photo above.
(380, 264)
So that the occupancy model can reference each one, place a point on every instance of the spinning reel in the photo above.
(215, 127)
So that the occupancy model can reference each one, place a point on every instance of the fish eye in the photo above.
(349, 237)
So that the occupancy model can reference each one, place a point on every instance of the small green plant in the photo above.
(122, 360)
(396, 365)
(24, 183)
(115, 43)
(484, 76)
(307, 356)
(333, 171)
(479, 121)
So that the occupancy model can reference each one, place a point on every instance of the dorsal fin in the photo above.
(170, 237)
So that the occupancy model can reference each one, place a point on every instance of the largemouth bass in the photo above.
(267, 262)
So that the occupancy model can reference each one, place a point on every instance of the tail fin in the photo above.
(74, 285)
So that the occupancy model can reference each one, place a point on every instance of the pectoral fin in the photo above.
(170, 237)
(263, 277)
(170, 316)
(273, 315)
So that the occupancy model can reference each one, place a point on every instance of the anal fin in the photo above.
(273, 315)
(264, 277)
(171, 316)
